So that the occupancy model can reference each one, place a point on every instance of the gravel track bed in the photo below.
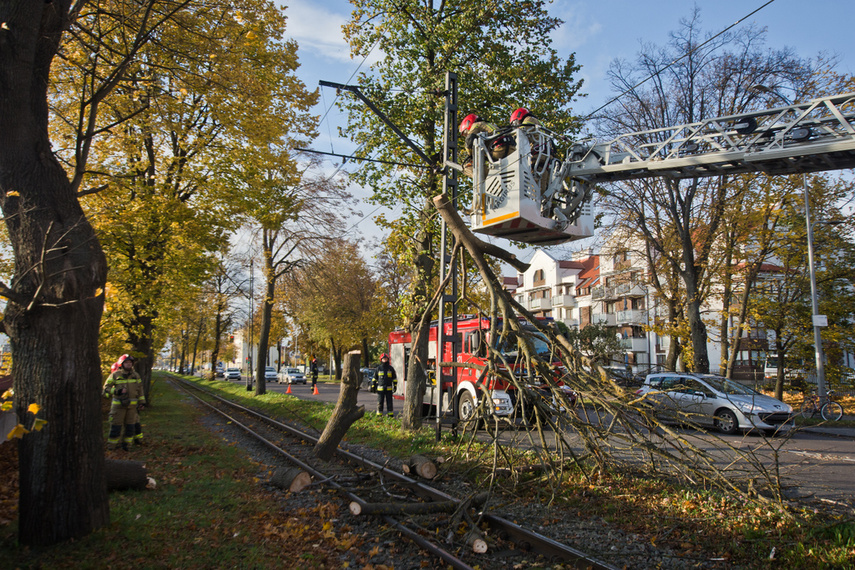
(383, 545)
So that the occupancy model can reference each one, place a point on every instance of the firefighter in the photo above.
(542, 152)
(470, 127)
(385, 382)
(313, 368)
(522, 117)
(125, 387)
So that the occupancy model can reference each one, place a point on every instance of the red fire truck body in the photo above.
(464, 396)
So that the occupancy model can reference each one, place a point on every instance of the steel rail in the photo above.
(425, 544)
(525, 538)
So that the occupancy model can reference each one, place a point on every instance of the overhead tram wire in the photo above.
(652, 75)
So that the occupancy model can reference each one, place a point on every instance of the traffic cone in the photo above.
(315, 391)
(288, 391)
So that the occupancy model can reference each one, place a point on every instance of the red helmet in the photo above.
(114, 367)
(467, 122)
(123, 358)
(518, 116)
(384, 356)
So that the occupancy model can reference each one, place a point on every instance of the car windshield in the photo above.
(508, 346)
(729, 386)
(293, 371)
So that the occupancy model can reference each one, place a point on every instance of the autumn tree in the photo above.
(502, 52)
(57, 293)
(338, 299)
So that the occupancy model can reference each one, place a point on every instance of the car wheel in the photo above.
(726, 422)
(466, 408)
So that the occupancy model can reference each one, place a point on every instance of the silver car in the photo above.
(714, 401)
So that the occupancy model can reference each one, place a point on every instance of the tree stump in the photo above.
(293, 479)
(346, 410)
(122, 474)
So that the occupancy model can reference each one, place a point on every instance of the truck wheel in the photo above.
(466, 409)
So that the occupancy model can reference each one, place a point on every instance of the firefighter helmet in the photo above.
(519, 115)
(384, 356)
(467, 122)
(125, 357)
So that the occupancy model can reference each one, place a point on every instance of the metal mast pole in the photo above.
(449, 188)
(251, 328)
(817, 320)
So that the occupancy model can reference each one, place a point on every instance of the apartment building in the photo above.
(595, 289)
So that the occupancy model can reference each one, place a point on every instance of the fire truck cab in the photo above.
(463, 396)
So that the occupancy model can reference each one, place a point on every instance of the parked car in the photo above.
(233, 374)
(270, 374)
(292, 376)
(220, 372)
(623, 377)
(715, 401)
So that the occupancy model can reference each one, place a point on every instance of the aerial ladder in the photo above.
(535, 196)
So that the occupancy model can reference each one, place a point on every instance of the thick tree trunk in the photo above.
(292, 479)
(421, 466)
(56, 297)
(346, 410)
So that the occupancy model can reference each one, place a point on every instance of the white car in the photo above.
(715, 401)
(233, 374)
(292, 376)
(270, 374)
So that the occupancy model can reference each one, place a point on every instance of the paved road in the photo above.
(815, 463)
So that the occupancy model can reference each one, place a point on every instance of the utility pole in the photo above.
(449, 188)
(249, 377)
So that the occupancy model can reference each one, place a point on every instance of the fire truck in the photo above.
(464, 396)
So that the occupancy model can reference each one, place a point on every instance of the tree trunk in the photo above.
(266, 319)
(414, 390)
(56, 298)
(346, 410)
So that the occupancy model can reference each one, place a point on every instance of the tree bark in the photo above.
(122, 474)
(346, 410)
(56, 296)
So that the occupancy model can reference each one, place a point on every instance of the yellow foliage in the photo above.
(39, 424)
(17, 432)
(34, 409)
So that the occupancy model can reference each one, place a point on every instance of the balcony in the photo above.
(632, 317)
(571, 323)
(634, 344)
(607, 319)
(539, 304)
(564, 301)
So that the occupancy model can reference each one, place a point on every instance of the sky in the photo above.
(598, 32)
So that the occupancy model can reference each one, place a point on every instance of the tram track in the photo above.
(364, 482)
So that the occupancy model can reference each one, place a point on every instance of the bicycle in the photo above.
(830, 410)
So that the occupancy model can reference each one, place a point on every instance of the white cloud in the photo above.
(318, 29)
(580, 25)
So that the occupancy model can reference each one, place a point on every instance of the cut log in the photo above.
(421, 466)
(415, 508)
(476, 540)
(293, 479)
(122, 474)
(346, 409)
